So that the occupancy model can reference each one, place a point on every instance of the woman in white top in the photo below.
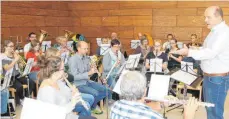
(54, 90)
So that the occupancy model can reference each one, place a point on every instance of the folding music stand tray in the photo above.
(134, 44)
(104, 48)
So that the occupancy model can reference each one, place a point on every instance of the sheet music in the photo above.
(134, 44)
(45, 45)
(158, 65)
(184, 77)
(99, 41)
(7, 79)
(180, 45)
(189, 67)
(104, 48)
(70, 45)
(118, 84)
(36, 109)
(159, 87)
(28, 66)
(133, 61)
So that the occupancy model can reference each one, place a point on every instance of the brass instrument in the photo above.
(70, 35)
(21, 62)
(94, 62)
(43, 35)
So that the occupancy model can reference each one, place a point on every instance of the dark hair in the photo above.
(143, 37)
(170, 35)
(115, 42)
(175, 41)
(48, 66)
(34, 44)
(219, 11)
(194, 35)
(32, 33)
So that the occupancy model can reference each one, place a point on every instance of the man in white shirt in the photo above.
(32, 36)
(214, 61)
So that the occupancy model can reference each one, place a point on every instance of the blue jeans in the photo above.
(4, 100)
(33, 76)
(82, 111)
(215, 91)
(95, 89)
(88, 98)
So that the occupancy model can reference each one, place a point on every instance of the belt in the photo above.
(216, 74)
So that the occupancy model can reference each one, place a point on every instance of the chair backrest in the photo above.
(36, 109)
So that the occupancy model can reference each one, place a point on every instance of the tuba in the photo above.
(43, 35)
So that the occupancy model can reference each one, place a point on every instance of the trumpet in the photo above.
(43, 35)
(80, 98)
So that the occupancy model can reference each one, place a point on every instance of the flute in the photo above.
(80, 98)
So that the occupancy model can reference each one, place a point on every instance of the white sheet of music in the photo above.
(134, 44)
(133, 61)
(158, 88)
(99, 41)
(7, 79)
(189, 67)
(158, 63)
(104, 48)
(45, 45)
(70, 45)
(28, 66)
(184, 77)
(35, 109)
(118, 84)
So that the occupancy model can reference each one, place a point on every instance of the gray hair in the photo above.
(133, 85)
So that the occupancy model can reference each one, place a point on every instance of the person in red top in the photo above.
(34, 53)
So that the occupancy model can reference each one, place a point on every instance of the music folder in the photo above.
(104, 48)
(45, 45)
(134, 44)
(133, 61)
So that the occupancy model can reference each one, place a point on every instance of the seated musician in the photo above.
(112, 57)
(166, 45)
(132, 106)
(79, 67)
(34, 53)
(63, 48)
(174, 59)
(194, 42)
(144, 48)
(11, 60)
(54, 89)
(32, 36)
(114, 36)
(159, 53)
(50, 52)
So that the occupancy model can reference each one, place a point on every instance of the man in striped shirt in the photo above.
(133, 91)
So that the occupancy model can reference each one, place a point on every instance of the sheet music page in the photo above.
(158, 63)
(99, 41)
(184, 77)
(159, 87)
(134, 44)
(7, 79)
(36, 109)
(133, 61)
(70, 45)
(104, 48)
(46, 44)
(28, 66)
(118, 84)
(189, 67)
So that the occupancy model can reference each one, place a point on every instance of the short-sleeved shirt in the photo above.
(27, 47)
(8, 60)
(32, 55)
